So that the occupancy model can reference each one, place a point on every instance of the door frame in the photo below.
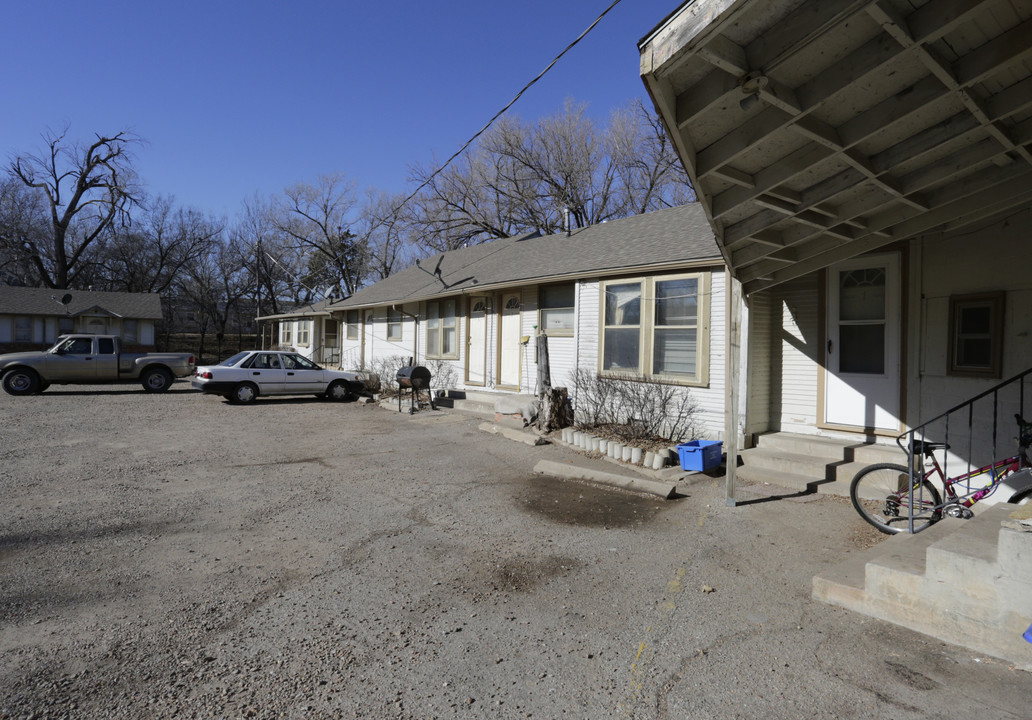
(469, 346)
(901, 251)
(500, 300)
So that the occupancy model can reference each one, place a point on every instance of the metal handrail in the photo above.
(906, 440)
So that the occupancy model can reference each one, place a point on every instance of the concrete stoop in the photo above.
(485, 404)
(966, 582)
(811, 462)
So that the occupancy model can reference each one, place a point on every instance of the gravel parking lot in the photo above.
(175, 556)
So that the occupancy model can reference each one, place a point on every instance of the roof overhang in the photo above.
(817, 131)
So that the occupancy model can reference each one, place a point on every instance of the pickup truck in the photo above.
(90, 360)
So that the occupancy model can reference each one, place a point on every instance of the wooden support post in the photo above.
(733, 382)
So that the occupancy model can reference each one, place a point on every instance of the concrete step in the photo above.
(754, 474)
(819, 446)
(817, 469)
(948, 582)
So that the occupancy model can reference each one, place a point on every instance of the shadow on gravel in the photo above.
(14, 542)
(573, 503)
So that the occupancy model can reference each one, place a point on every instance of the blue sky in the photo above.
(235, 98)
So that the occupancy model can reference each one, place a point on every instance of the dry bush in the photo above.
(634, 410)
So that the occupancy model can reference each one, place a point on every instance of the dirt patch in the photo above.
(583, 504)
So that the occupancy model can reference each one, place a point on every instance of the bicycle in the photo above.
(885, 498)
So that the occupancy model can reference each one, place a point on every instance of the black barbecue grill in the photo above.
(414, 378)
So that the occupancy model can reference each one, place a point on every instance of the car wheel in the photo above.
(21, 381)
(339, 390)
(156, 380)
(243, 394)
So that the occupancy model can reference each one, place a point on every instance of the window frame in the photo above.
(131, 337)
(996, 302)
(22, 324)
(304, 333)
(436, 326)
(395, 326)
(542, 308)
(647, 330)
(352, 327)
(287, 333)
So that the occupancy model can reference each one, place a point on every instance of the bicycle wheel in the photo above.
(879, 493)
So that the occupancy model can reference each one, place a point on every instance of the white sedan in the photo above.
(251, 373)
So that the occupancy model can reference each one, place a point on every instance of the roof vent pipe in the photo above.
(566, 220)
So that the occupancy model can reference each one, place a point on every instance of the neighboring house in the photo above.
(641, 297)
(33, 318)
(311, 330)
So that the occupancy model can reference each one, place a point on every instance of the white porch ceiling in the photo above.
(814, 131)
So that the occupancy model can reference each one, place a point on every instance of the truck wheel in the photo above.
(243, 394)
(156, 380)
(21, 381)
(339, 390)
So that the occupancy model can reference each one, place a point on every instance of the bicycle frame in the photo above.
(997, 471)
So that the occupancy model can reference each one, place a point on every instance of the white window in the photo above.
(393, 324)
(304, 332)
(23, 329)
(354, 322)
(556, 309)
(130, 331)
(287, 333)
(656, 328)
(441, 330)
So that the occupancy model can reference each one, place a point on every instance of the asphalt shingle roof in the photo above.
(46, 301)
(661, 238)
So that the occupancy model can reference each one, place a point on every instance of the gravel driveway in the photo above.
(173, 556)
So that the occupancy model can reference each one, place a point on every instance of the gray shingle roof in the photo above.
(45, 301)
(680, 235)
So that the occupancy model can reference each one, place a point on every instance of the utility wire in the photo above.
(512, 102)
(491, 122)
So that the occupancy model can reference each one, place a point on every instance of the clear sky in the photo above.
(236, 97)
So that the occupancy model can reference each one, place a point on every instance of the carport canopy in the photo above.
(817, 131)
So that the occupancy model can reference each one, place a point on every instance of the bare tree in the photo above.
(270, 257)
(521, 177)
(387, 233)
(217, 281)
(318, 218)
(23, 221)
(86, 189)
(149, 255)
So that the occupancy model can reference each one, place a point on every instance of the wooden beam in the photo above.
(1010, 47)
(703, 95)
(725, 55)
(740, 139)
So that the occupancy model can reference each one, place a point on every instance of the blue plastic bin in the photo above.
(700, 455)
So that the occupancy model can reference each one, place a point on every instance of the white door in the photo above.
(862, 354)
(509, 358)
(476, 342)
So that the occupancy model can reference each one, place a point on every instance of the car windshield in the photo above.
(230, 362)
(298, 362)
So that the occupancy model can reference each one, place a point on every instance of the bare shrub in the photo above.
(387, 370)
(635, 409)
(442, 374)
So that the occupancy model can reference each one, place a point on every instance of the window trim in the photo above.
(996, 302)
(287, 333)
(22, 323)
(647, 334)
(541, 308)
(439, 330)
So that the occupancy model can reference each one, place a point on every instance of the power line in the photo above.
(512, 102)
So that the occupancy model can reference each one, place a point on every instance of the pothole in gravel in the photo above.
(573, 503)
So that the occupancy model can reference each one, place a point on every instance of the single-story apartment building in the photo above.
(641, 298)
(33, 318)
(311, 330)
